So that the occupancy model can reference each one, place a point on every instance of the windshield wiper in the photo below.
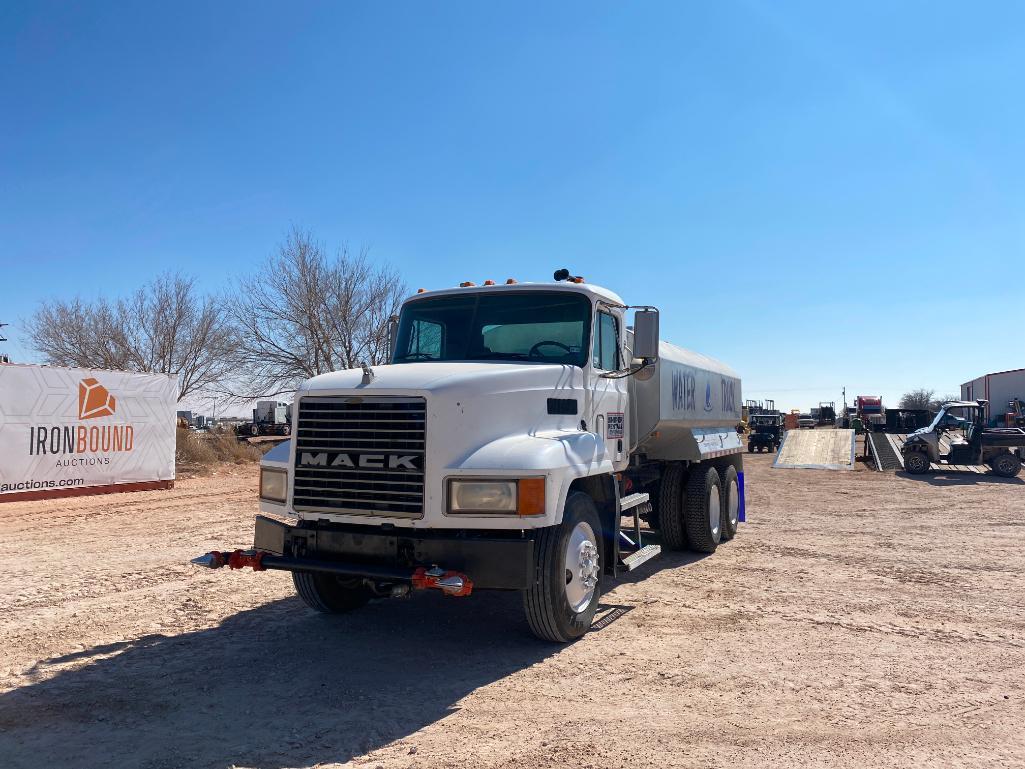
(415, 356)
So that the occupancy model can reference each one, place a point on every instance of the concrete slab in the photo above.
(817, 450)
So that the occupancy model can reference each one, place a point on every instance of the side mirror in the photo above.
(393, 336)
(646, 334)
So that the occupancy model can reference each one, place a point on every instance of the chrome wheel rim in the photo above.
(582, 566)
(714, 511)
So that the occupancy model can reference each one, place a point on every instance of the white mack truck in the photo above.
(515, 428)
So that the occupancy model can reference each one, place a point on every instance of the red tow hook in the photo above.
(451, 583)
(237, 559)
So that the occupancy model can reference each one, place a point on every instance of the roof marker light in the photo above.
(489, 282)
(510, 281)
(467, 284)
(421, 291)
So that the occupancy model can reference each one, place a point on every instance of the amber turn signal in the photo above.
(530, 496)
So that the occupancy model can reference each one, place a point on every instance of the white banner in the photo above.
(66, 428)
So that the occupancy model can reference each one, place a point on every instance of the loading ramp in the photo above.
(884, 454)
(816, 450)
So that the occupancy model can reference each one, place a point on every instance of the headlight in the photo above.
(273, 484)
(525, 496)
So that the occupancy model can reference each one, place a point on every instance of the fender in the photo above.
(562, 456)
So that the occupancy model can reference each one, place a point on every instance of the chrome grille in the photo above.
(360, 456)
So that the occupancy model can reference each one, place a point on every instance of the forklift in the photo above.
(971, 442)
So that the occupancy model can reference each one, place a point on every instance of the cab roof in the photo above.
(591, 290)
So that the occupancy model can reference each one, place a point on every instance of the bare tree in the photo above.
(303, 314)
(938, 402)
(917, 399)
(165, 327)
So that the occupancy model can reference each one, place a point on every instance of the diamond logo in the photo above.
(94, 400)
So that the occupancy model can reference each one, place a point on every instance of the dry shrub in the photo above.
(227, 448)
(191, 450)
(199, 452)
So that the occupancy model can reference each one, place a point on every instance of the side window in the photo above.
(425, 340)
(605, 351)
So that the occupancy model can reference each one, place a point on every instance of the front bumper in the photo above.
(491, 559)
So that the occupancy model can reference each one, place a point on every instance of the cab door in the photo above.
(608, 401)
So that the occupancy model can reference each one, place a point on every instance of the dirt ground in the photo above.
(859, 619)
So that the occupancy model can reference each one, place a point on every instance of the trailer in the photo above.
(515, 430)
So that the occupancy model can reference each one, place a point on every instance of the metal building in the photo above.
(999, 389)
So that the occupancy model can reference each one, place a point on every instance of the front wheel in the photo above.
(1005, 465)
(915, 462)
(328, 593)
(561, 603)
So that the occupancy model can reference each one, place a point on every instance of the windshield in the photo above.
(540, 327)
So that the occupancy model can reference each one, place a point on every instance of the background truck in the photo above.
(514, 430)
(869, 409)
(826, 416)
(270, 418)
(970, 441)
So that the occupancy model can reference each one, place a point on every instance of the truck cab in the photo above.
(513, 429)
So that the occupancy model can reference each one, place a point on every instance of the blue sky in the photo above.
(820, 197)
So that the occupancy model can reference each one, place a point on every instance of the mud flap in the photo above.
(742, 510)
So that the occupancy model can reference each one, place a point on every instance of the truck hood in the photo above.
(438, 376)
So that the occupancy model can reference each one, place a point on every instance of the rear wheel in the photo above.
(670, 508)
(702, 509)
(1005, 465)
(652, 515)
(567, 567)
(330, 594)
(731, 502)
(916, 462)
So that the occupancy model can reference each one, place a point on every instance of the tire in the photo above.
(329, 594)
(750, 448)
(561, 603)
(702, 509)
(670, 508)
(1005, 465)
(652, 515)
(916, 462)
(731, 502)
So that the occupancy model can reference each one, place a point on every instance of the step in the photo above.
(646, 553)
(632, 500)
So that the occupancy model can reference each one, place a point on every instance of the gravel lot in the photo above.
(859, 619)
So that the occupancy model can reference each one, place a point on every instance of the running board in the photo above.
(646, 553)
(632, 500)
